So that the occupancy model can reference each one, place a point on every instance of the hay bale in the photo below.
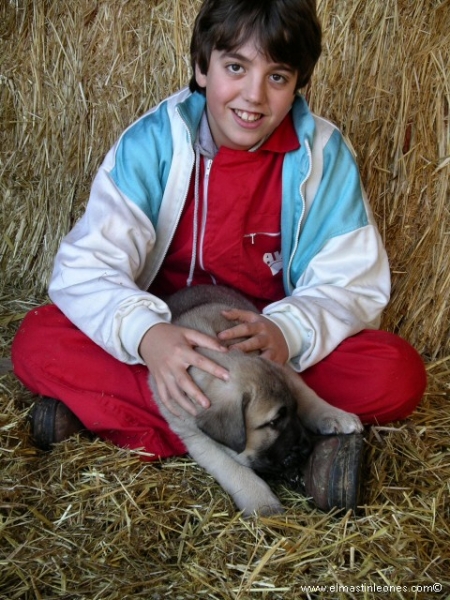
(91, 521)
(74, 75)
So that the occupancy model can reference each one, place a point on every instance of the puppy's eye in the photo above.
(274, 423)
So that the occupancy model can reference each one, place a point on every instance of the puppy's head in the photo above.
(255, 414)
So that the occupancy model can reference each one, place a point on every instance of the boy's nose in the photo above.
(254, 90)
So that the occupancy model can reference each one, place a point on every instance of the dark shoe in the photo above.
(333, 471)
(52, 422)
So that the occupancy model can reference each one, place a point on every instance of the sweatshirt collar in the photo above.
(282, 140)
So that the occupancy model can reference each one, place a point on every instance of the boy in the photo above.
(235, 182)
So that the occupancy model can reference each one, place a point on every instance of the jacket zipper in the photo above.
(300, 221)
(204, 213)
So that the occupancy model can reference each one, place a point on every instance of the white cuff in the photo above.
(134, 326)
(291, 330)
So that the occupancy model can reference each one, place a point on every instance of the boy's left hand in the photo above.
(260, 333)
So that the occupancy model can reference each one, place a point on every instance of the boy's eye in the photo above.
(277, 78)
(234, 68)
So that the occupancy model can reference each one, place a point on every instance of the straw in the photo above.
(91, 521)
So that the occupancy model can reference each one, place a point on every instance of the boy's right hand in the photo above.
(168, 351)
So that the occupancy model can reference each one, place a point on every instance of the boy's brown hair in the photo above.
(285, 31)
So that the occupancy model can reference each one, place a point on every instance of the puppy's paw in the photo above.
(257, 498)
(272, 507)
(338, 421)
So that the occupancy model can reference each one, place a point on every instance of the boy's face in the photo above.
(247, 96)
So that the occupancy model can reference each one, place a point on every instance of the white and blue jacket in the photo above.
(335, 268)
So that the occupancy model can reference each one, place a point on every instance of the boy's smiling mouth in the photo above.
(248, 116)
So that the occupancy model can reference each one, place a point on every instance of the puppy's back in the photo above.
(191, 297)
(199, 307)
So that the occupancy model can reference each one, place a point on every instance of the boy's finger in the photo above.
(165, 399)
(188, 393)
(177, 398)
(209, 366)
(248, 345)
(236, 314)
(238, 331)
(196, 338)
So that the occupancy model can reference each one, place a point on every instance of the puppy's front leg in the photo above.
(249, 492)
(319, 416)
(327, 419)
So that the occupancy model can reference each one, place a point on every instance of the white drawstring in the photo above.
(195, 218)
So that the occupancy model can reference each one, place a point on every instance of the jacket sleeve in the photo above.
(97, 266)
(338, 266)
(332, 302)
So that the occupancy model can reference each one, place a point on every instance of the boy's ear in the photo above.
(200, 77)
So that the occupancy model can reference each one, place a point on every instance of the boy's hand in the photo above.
(168, 351)
(261, 333)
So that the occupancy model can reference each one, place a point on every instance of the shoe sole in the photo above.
(42, 422)
(345, 484)
(333, 473)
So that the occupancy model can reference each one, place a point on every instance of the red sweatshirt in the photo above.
(238, 237)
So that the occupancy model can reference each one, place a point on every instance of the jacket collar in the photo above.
(191, 111)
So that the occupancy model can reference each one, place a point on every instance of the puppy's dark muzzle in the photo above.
(288, 454)
(297, 457)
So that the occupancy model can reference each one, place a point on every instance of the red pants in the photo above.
(374, 374)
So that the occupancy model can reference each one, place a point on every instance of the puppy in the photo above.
(260, 421)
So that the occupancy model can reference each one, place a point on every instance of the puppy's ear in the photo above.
(224, 422)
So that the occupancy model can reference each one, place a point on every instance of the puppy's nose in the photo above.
(290, 461)
(298, 454)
